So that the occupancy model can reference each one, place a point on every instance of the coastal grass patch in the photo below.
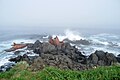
(21, 72)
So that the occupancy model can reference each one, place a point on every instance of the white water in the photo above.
(106, 42)
(68, 34)
(4, 56)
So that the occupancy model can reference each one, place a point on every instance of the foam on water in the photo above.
(46, 36)
(106, 42)
(23, 41)
(4, 57)
(71, 35)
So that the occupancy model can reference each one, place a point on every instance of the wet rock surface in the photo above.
(118, 58)
(102, 58)
(68, 57)
(63, 57)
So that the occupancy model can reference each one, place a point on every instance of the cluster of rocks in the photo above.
(64, 57)
(102, 58)
(6, 67)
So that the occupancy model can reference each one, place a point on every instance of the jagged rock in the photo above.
(101, 63)
(37, 51)
(37, 44)
(18, 52)
(93, 58)
(16, 59)
(102, 58)
(37, 47)
(26, 58)
(110, 58)
(118, 55)
(30, 46)
(100, 54)
(47, 47)
(9, 50)
(118, 58)
(64, 57)
(20, 58)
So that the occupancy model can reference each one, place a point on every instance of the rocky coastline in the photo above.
(63, 57)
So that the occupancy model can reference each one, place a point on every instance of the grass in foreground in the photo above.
(20, 72)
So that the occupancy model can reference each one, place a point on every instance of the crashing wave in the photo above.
(71, 35)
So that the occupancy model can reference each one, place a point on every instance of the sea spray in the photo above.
(71, 35)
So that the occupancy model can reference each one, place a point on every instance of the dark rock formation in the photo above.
(93, 59)
(18, 52)
(118, 58)
(16, 59)
(37, 44)
(102, 58)
(9, 50)
(111, 59)
(29, 46)
(63, 57)
(47, 47)
(100, 55)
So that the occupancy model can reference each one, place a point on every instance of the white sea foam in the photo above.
(96, 41)
(5, 58)
(71, 35)
(106, 42)
(3, 61)
(23, 41)
(46, 36)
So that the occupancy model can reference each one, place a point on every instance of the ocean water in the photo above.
(100, 41)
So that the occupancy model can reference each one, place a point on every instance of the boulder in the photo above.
(30, 46)
(9, 50)
(37, 44)
(26, 58)
(118, 55)
(37, 47)
(102, 58)
(18, 52)
(16, 59)
(101, 63)
(118, 58)
(100, 54)
(110, 58)
(93, 59)
(47, 47)
(37, 51)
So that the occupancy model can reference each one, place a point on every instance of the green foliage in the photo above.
(20, 72)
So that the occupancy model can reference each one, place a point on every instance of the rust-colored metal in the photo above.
(56, 41)
(18, 46)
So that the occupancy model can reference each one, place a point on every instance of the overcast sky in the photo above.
(16, 14)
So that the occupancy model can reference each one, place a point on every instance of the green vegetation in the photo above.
(21, 72)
